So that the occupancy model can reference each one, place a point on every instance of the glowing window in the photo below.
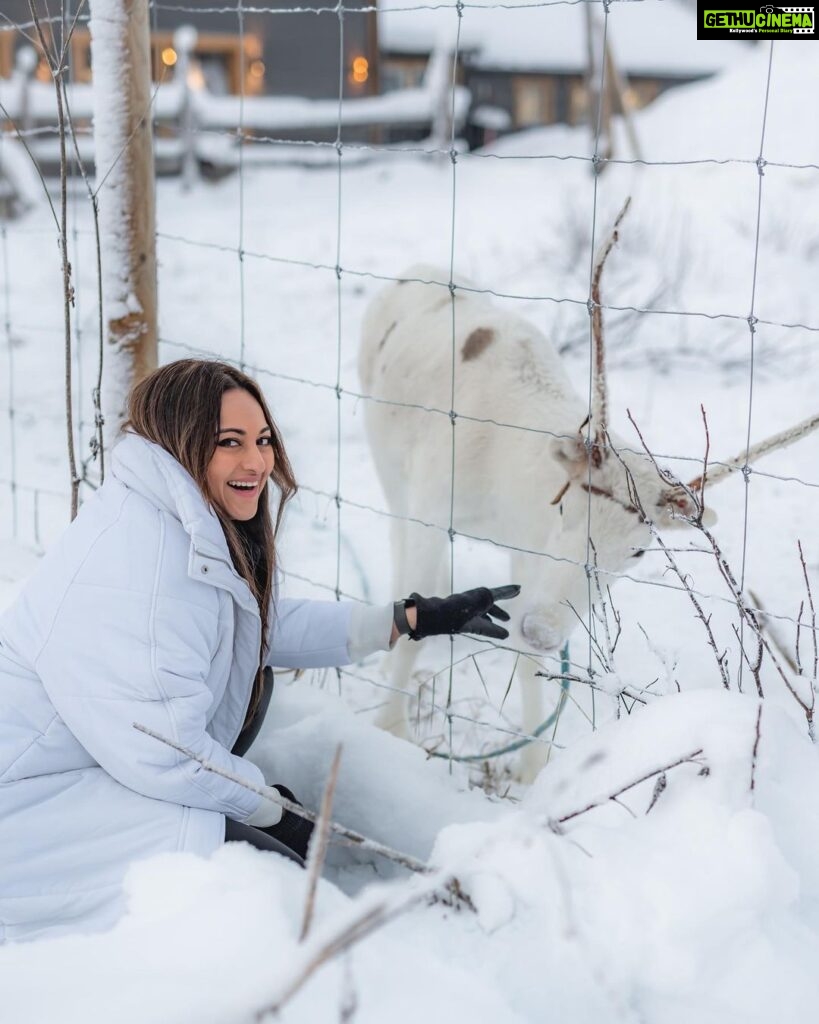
(361, 69)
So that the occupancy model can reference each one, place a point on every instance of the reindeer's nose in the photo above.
(539, 633)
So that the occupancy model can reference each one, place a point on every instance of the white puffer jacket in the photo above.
(135, 615)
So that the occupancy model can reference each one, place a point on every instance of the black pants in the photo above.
(261, 838)
(236, 831)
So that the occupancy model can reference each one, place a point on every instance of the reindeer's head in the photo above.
(608, 501)
(605, 507)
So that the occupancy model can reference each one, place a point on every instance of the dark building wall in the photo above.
(491, 88)
(300, 51)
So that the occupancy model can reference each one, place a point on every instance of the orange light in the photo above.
(169, 56)
(361, 69)
(257, 69)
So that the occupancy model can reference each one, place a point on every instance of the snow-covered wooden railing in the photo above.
(196, 125)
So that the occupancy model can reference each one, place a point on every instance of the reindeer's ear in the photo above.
(570, 452)
(678, 506)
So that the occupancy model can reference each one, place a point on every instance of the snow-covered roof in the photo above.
(648, 37)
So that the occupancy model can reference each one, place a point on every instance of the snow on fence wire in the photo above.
(228, 130)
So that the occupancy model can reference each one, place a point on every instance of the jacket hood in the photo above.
(154, 473)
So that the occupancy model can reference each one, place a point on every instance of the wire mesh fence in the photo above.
(237, 134)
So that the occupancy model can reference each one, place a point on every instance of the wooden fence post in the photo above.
(123, 143)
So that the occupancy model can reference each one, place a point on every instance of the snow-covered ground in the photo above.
(706, 908)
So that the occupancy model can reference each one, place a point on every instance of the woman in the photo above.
(159, 605)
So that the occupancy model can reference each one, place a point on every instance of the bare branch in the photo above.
(600, 403)
(98, 442)
(318, 844)
(353, 838)
(767, 624)
(349, 997)
(687, 759)
(798, 633)
(369, 920)
(661, 657)
(617, 621)
(609, 655)
(659, 789)
(587, 681)
(57, 71)
(755, 666)
(704, 474)
(770, 444)
(812, 612)
(747, 614)
(34, 163)
(672, 562)
(755, 750)
(67, 40)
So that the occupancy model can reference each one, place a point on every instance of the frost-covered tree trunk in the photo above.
(120, 50)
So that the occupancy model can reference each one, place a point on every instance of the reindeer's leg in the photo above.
(533, 756)
(417, 552)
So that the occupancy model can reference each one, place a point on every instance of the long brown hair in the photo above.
(178, 407)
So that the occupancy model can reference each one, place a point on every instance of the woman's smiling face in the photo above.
(243, 459)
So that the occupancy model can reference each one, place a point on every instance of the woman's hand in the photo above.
(469, 612)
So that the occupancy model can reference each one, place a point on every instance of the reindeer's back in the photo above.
(422, 289)
(504, 366)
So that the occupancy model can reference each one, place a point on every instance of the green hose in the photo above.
(519, 744)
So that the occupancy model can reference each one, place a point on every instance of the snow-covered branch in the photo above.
(354, 838)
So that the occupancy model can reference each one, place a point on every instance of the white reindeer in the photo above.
(505, 480)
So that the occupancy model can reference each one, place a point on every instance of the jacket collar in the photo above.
(148, 469)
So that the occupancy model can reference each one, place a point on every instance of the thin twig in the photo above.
(754, 667)
(136, 128)
(812, 612)
(509, 684)
(757, 734)
(354, 838)
(609, 657)
(98, 442)
(704, 474)
(372, 918)
(782, 439)
(600, 410)
(799, 668)
(766, 624)
(19, 134)
(318, 844)
(659, 789)
(588, 681)
(672, 562)
(67, 40)
(748, 615)
(57, 70)
(661, 657)
(687, 759)
(599, 653)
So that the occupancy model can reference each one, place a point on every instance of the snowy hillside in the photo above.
(602, 894)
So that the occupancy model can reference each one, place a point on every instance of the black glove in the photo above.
(292, 830)
(468, 612)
